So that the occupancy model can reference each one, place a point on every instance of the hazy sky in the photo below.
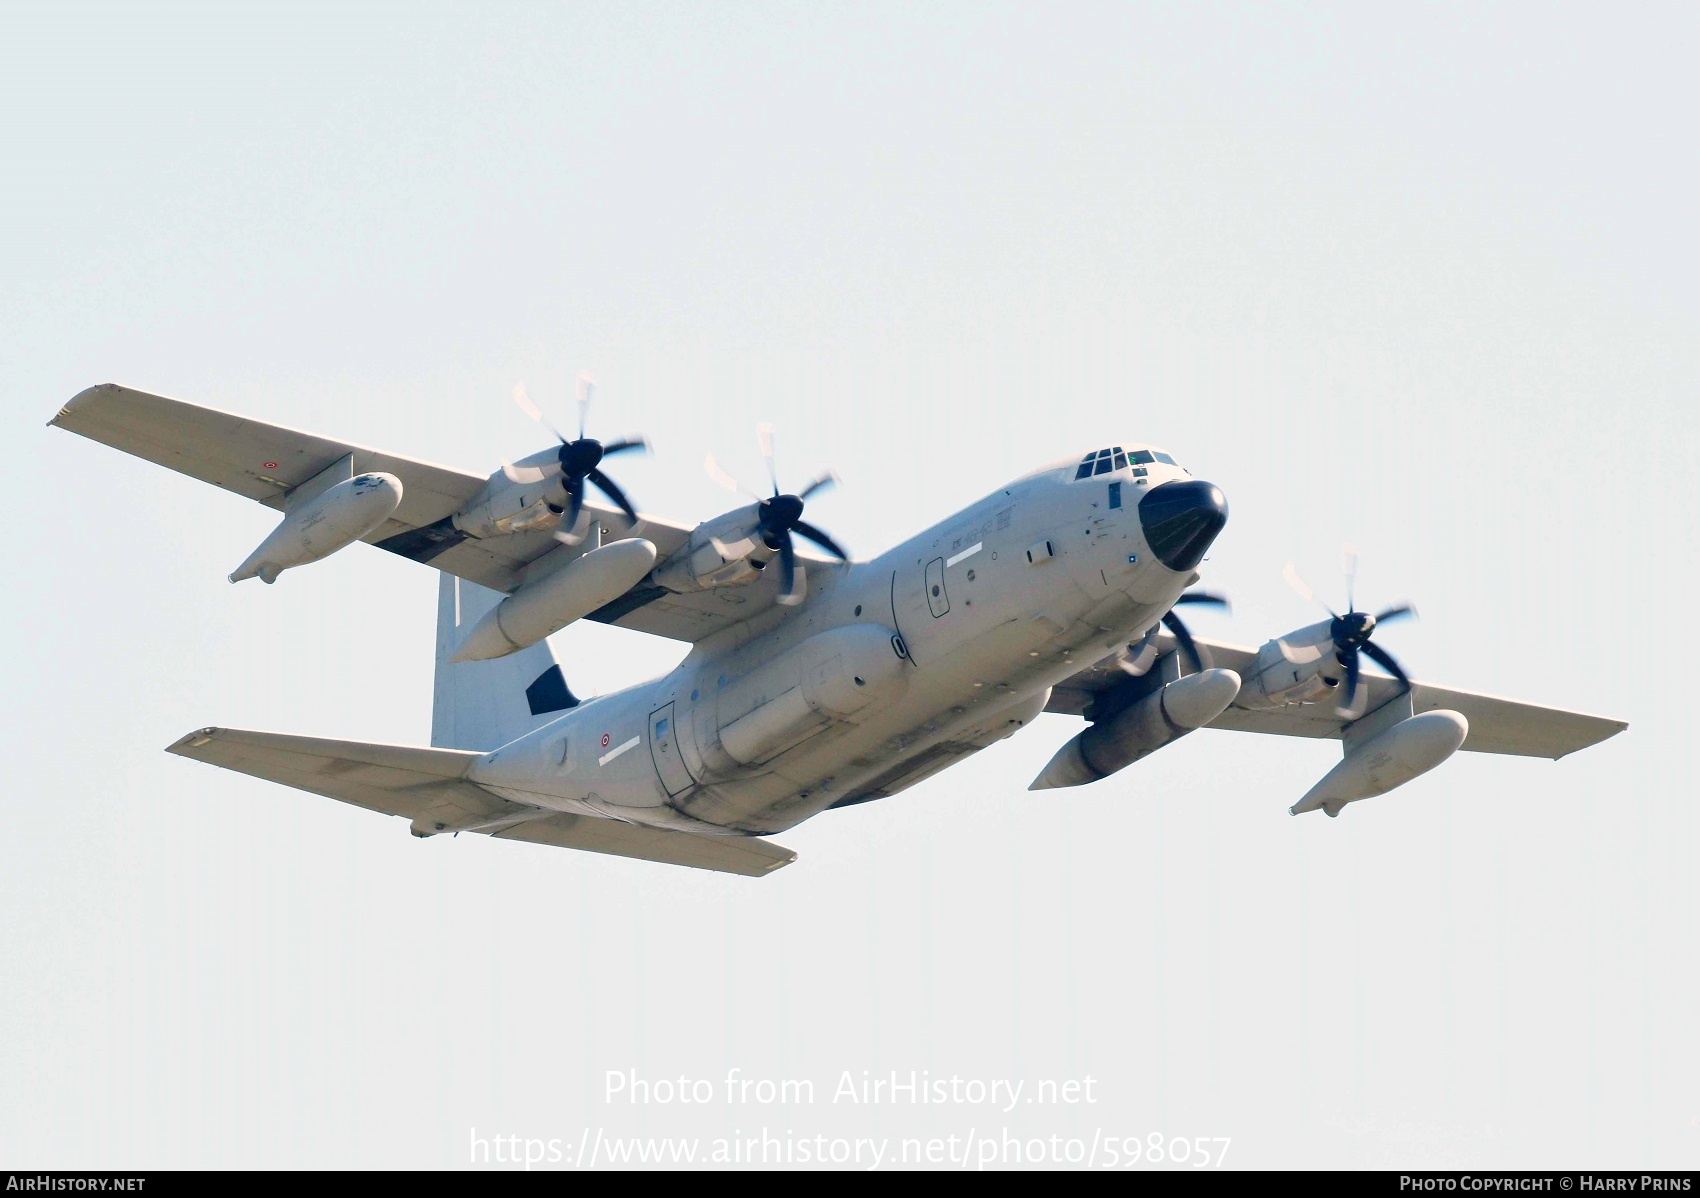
(1423, 278)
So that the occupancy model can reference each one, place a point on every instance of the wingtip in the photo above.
(78, 398)
(775, 866)
(192, 740)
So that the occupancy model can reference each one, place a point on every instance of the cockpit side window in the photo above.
(1141, 457)
(1163, 457)
(1096, 462)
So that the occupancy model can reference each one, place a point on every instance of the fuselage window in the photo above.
(1115, 495)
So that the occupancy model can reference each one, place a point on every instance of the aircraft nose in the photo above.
(1181, 519)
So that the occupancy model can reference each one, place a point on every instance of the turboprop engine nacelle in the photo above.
(722, 552)
(323, 524)
(1301, 667)
(1160, 718)
(548, 604)
(1377, 763)
(505, 507)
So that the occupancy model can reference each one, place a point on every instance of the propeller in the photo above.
(1351, 632)
(578, 461)
(778, 516)
(1141, 654)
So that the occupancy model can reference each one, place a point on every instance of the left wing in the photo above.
(1496, 725)
(260, 461)
(264, 462)
(428, 786)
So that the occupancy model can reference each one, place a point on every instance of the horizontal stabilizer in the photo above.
(394, 779)
(428, 786)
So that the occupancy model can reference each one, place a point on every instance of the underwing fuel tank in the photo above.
(318, 528)
(1162, 717)
(552, 602)
(1411, 747)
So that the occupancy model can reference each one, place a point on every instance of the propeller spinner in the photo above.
(578, 461)
(1351, 632)
(780, 515)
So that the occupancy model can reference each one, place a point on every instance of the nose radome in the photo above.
(1181, 519)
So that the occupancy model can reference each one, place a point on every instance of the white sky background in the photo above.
(1425, 281)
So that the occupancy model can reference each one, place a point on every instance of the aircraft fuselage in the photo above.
(891, 670)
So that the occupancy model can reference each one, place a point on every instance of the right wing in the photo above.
(429, 786)
(1496, 725)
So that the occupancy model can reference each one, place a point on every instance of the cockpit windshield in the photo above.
(1103, 461)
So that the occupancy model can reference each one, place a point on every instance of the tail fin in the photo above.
(483, 705)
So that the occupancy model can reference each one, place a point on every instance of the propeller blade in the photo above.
(732, 550)
(1291, 574)
(609, 488)
(586, 389)
(1349, 688)
(810, 532)
(1209, 597)
(523, 475)
(820, 482)
(1397, 612)
(567, 531)
(625, 445)
(1384, 659)
(721, 478)
(533, 411)
(1138, 657)
(1349, 567)
(764, 440)
(790, 578)
(1188, 646)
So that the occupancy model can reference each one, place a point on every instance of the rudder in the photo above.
(482, 705)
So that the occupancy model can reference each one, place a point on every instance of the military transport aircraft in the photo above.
(813, 682)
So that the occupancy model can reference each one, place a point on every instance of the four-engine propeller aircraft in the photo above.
(816, 684)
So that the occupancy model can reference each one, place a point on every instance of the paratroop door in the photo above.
(664, 747)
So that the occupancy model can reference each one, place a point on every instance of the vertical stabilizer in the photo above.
(483, 705)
